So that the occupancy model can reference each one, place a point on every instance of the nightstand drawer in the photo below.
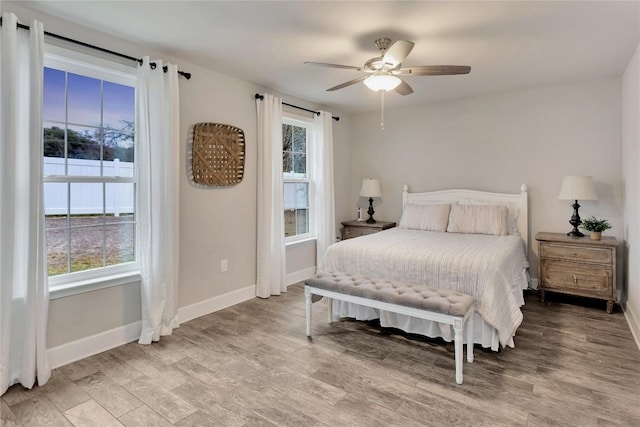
(585, 254)
(351, 229)
(351, 232)
(581, 279)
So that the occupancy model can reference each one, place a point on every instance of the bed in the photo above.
(469, 241)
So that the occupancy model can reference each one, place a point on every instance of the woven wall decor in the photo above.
(218, 154)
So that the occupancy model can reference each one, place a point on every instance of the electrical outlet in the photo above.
(224, 265)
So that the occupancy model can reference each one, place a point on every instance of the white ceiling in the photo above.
(508, 45)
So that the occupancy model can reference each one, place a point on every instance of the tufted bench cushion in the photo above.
(421, 301)
(405, 294)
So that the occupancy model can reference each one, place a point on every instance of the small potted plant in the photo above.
(595, 227)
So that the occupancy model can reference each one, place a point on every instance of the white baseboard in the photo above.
(75, 350)
(216, 303)
(634, 323)
(70, 352)
(299, 276)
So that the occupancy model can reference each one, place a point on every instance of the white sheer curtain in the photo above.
(23, 266)
(271, 251)
(158, 154)
(323, 177)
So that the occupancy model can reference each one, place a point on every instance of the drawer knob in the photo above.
(574, 253)
(575, 280)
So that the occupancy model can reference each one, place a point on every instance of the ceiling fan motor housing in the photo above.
(383, 44)
(378, 63)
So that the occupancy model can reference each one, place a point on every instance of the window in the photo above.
(298, 188)
(88, 169)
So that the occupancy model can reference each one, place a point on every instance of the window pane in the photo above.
(120, 245)
(86, 244)
(118, 106)
(57, 246)
(56, 198)
(117, 167)
(299, 139)
(53, 108)
(118, 144)
(83, 100)
(54, 141)
(302, 221)
(287, 138)
(289, 222)
(289, 195)
(287, 162)
(120, 202)
(86, 199)
(302, 195)
(83, 151)
(300, 164)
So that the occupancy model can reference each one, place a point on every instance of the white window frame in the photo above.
(307, 123)
(89, 280)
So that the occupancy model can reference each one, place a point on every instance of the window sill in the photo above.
(75, 288)
(306, 240)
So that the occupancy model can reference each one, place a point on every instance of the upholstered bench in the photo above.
(424, 302)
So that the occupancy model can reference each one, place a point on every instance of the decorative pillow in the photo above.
(512, 221)
(479, 219)
(431, 217)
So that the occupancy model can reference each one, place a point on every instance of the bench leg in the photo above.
(330, 309)
(309, 305)
(470, 336)
(458, 328)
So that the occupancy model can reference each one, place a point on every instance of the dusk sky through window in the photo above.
(84, 100)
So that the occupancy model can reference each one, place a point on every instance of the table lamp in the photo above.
(370, 188)
(577, 188)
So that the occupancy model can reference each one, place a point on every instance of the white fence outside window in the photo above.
(86, 198)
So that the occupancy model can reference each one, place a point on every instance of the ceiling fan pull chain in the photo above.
(382, 109)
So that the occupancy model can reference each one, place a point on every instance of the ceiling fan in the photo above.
(381, 73)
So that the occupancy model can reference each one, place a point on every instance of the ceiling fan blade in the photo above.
(324, 64)
(436, 70)
(404, 89)
(345, 84)
(397, 52)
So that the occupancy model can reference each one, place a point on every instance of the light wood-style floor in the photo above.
(252, 365)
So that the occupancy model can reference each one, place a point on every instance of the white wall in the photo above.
(214, 223)
(631, 182)
(496, 143)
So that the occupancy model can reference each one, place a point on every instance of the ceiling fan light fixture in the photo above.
(382, 81)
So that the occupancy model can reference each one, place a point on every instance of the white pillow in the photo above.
(512, 221)
(431, 217)
(479, 219)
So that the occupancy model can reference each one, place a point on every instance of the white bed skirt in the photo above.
(483, 334)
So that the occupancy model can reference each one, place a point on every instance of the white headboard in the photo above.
(517, 200)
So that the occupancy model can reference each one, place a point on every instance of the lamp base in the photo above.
(370, 211)
(575, 221)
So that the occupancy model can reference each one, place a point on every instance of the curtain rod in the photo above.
(101, 49)
(317, 113)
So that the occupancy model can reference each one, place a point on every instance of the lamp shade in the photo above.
(578, 188)
(370, 188)
(382, 81)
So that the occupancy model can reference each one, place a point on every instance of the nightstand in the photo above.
(362, 228)
(577, 266)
